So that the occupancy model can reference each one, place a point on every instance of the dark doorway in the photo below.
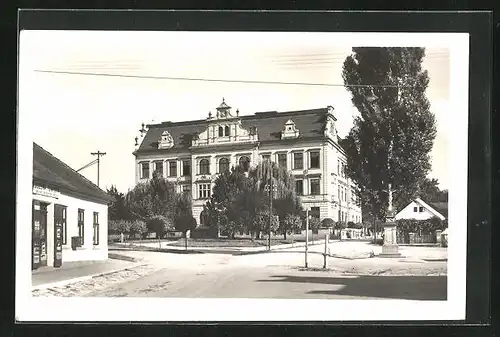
(39, 234)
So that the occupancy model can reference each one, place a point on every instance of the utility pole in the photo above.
(99, 154)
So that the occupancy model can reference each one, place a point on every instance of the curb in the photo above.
(115, 256)
(83, 278)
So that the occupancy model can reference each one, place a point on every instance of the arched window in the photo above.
(203, 218)
(221, 131)
(204, 166)
(223, 165)
(245, 163)
(226, 130)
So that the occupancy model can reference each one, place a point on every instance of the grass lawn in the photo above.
(237, 242)
(221, 242)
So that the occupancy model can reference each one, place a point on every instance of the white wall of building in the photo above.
(409, 212)
(88, 251)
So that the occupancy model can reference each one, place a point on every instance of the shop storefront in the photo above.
(69, 214)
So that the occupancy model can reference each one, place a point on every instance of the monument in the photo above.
(390, 246)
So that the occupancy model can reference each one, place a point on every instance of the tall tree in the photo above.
(117, 209)
(393, 110)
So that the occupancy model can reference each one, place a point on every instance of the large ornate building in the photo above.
(192, 153)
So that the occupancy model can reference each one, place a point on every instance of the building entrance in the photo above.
(39, 235)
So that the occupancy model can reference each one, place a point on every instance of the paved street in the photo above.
(278, 274)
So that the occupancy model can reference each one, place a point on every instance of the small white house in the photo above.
(69, 214)
(420, 210)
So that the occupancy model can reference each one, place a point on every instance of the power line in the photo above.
(89, 164)
(224, 81)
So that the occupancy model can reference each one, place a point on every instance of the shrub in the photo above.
(340, 225)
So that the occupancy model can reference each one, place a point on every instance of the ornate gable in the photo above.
(289, 130)
(166, 141)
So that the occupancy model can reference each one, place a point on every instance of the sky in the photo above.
(72, 115)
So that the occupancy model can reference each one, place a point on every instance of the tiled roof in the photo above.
(269, 126)
(51, 171)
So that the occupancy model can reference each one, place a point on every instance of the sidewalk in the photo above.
(71, 272)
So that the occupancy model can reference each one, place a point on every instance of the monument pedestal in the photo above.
(390, 247)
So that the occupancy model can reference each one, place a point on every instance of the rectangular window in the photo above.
(314, 159)
(159, 167)
(172, 169)
(266, 157)
(345, 195)
(204, 191)
(144, 170)
(298, 161)
(96, 229)
(282, 160)
(315, 190)
(415, 209)
(186, 168)
(299, 187)
(421, 209)
(81, 225)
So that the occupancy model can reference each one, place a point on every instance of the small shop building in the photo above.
(69, 214)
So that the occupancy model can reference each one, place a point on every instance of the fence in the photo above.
(416, 238)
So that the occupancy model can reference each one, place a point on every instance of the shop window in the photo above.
(64, 226)
(186, 168)
(204, 166)
(314, 159)
(204, 191)
(144, 170)
(315, 189)
(81, 226)
(223, 165)
(299, 187)
(172, 169)
(298, 161)
(96, 229)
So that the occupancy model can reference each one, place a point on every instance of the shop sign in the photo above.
(46, 192)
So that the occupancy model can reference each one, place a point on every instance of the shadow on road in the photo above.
(432, 288)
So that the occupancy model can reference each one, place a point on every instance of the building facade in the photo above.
(420, 210)
(193, 153)
(69, 215)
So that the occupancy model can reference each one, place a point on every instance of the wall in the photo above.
(408, 213)
(88, 251)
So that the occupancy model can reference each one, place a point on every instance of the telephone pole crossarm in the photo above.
(99, 154)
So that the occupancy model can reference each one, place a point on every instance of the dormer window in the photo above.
(166, 141)
(290, 130)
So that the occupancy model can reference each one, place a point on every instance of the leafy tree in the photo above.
(159, 224)
(293, 223)
(394, 111)
(137, 228)
(429, 191)
(185, 223)
(117, 209)
(327, 222)
(119, 226)
(314, 225)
